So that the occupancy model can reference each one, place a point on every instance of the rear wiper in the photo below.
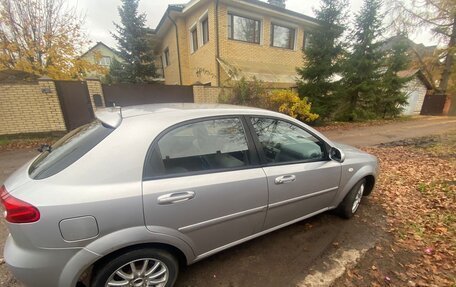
(45, 147)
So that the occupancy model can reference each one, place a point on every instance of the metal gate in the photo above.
(75, 102)
(140, 94)
(433, 104)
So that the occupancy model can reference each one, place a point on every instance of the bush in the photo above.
(253, 93)
(245, 93)
(288, 102)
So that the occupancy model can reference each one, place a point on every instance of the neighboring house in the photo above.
(214, 41)
(420, 49)
(102, 55)
(419, 84)
(415, 89)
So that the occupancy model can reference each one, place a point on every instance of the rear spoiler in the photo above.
(110, 116)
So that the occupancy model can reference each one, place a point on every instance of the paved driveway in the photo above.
(285, 257)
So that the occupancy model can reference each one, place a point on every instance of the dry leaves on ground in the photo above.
(417, 188)
(16, 144)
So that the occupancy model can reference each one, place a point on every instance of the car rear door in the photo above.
(203, 183)
(302, 180)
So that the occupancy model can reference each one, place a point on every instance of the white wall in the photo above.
(416, 91)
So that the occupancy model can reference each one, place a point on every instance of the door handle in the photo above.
(285, 179)
(175, 197)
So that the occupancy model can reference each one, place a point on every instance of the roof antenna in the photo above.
(117, 107)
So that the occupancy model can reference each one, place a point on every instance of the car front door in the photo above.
(202, 182)
(302, 180)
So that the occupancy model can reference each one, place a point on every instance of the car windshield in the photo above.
(68, 149)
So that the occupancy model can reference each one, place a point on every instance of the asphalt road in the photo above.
(293, 256)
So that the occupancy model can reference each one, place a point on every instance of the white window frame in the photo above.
(192, 28)
(203, 17)
(101, 62)
(306, 34)
(166, 61)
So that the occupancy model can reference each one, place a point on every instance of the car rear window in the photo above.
(68, 149)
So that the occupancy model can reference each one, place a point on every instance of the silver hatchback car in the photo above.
(125, 200)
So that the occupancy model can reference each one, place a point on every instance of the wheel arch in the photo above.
(366, 172)
(121, 241)
(370, 183)
(180, 256)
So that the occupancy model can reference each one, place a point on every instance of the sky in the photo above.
(100, 15)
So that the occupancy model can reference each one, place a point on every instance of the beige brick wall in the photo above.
(258, 58)
(24, 108)
(95, 88)
(203, 59)
(171, 71)
(206, 94)
(263, 57)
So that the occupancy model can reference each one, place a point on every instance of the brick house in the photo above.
(213, 41)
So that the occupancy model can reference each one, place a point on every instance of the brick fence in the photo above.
(30, 108)
(206, 94)
(34, 107)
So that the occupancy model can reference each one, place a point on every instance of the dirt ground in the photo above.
(321, 251)
(390, 132)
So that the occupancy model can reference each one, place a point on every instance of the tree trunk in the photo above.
(448, 61)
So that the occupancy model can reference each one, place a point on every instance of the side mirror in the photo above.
(336, 154)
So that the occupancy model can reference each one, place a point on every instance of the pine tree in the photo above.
(133, 46)
(362, 71)
(391, 101)
(117, 73)
(322, 58)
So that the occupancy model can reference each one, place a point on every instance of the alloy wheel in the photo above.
(357, 201)
(146, 272)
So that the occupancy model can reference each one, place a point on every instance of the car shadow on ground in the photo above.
(286, 256)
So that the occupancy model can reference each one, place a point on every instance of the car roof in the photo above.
(165, 115)
(180, 108)
(172, 111)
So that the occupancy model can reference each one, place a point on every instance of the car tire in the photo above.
(348, 207)
(107, 270)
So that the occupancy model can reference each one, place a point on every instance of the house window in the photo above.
(105, 61)
(243, 29)
(166, 62)
(194, 38)
(282, 37)
(205, 30)
(307, 40)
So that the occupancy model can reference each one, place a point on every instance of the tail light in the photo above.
(16, 210)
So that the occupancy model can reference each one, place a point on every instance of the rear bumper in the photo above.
(41, 267)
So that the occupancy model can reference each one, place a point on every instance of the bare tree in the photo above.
(440, 17)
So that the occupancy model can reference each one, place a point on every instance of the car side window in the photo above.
(207, 145)
(282, 141)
